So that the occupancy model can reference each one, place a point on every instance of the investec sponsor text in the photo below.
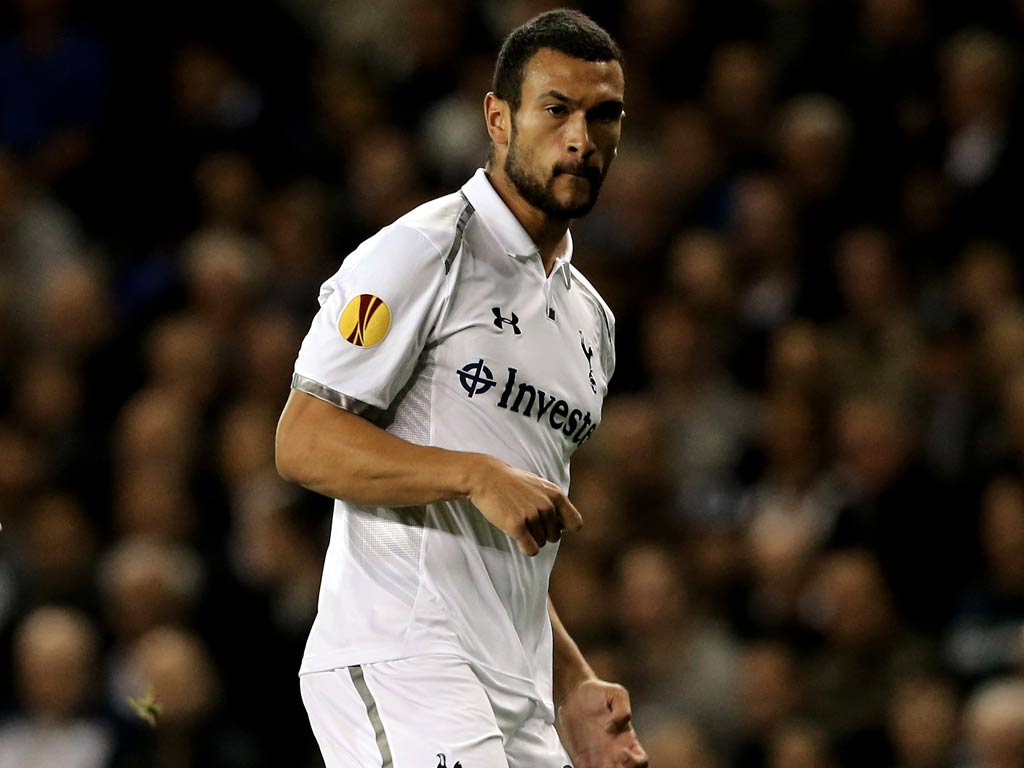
(529, 401)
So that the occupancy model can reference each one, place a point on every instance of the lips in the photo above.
(587, 174)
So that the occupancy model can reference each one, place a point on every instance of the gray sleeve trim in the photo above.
(335, 398)
(460, 231)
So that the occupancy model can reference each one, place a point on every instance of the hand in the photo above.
(530, 509)
(596, 730)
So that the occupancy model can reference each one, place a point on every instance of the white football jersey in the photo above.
(444, 330)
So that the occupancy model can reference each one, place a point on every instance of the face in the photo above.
(564, 135)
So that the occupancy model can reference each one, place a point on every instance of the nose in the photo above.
(578, 140)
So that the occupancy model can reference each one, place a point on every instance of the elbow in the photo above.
(286, 458)
(284, 469)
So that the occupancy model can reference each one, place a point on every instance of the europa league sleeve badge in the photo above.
(365, 321)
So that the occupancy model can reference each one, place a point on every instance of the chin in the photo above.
(578, 209)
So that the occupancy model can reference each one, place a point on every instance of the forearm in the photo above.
(341, 455)
(569, 666)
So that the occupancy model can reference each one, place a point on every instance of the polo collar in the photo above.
(504, 225)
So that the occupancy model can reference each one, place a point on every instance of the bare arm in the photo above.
(336, 453)
(570, 668)
(594, 716)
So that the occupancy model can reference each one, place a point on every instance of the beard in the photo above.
(539, 192)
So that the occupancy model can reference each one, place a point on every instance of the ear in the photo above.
(498, 119)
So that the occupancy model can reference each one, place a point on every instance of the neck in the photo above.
(547, 233)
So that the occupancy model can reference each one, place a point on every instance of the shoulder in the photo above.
(411, 254)
(590, 294)
(441, 222)
(418, 238)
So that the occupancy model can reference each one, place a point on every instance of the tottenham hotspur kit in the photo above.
(444, 330)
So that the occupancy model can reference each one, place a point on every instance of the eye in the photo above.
(606, 113)
(557, 110)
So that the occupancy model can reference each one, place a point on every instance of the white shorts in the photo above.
(424, 712)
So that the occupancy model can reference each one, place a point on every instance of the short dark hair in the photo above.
(568, 31)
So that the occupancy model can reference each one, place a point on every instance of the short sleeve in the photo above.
(376, 315)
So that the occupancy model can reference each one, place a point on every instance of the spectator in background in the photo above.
(224, 273)
(1011, 400)
(985, 280)
(175, 662)
(37, 235)
(159, 427)
(144, 584)
(765, 241)
(864, 645)
(229, 191)
(633, 451)
(384, 178)
(707, 420)
(53, 87)
(22, 472)
(772, 691)
(296, 231)
(801, 744)
(799, 365)
(580, 574)
(56, 653)
(669, 52)
(894, 500)
(1001, 346)
(995, 724)
(780, 557)
(876, 344)
(924, 722)
(694, 164)
(815, 140)
(951, 400)
(982, 161)
(986, 638)
(681, 744)
(792, 477)
(58, 556)
(184, 360)
(449, 133)
(155, 502)
(48, 400)
(268, 339)
(739, 93)
(701, 272)
(681, 664)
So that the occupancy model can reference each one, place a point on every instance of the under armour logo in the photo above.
(441, 763)
(589, 353)
(500, 321)
(476, 378)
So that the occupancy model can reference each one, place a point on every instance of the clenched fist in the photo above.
(530, 509)
(596, 730)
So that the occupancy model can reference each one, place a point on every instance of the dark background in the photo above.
(804, 540)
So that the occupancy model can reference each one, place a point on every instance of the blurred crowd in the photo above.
(804, 510)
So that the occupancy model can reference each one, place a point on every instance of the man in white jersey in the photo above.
(456, 363)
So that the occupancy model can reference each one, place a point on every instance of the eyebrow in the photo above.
(559, 96)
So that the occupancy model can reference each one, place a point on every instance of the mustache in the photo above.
(590, 172)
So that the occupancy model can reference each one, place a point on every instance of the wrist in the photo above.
(471, 471)
(570, 678)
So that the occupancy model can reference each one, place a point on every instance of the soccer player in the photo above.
(457, 361)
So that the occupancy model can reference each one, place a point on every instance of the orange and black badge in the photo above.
(365, 321)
